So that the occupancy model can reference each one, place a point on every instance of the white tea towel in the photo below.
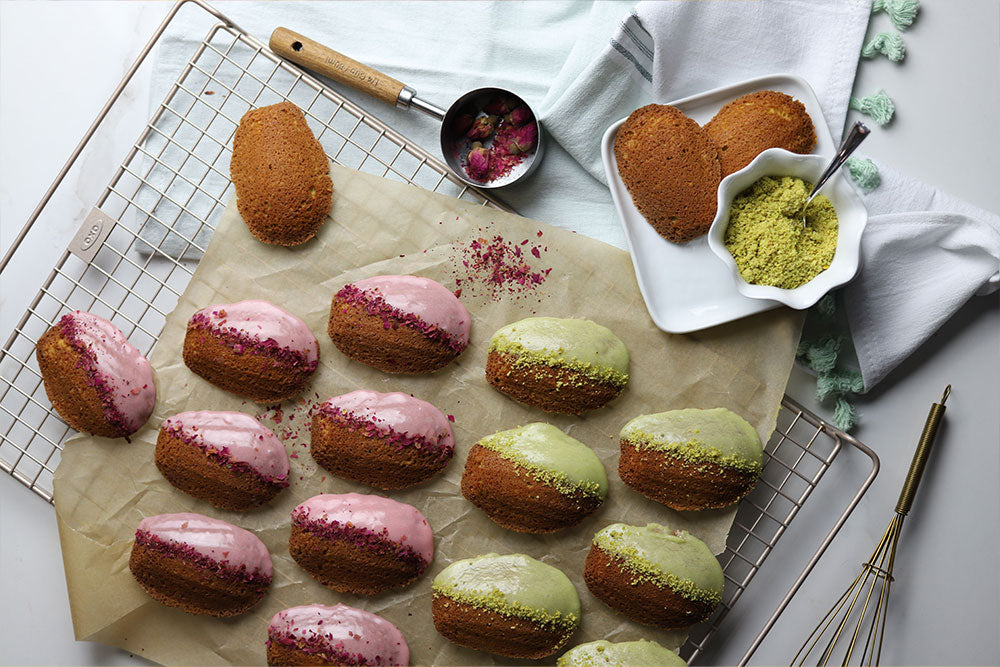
(923, 255)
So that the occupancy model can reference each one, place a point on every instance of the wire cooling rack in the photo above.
(140, 244)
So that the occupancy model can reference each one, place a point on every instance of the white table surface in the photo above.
(60, 61)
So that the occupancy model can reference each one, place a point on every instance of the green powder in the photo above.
(767, 238)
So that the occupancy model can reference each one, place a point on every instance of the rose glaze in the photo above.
(216, 540)
(427, 299)
(341, 634)
(236, 437)
(395, 521)
(263, 325)
(398, 412)
(116, 369)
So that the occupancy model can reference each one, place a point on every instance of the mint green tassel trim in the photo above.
(863, 172)
(837, 382)
(889, 44)
(877, 105)
(820, 354)
(845, 416)
(902, 13)
(827, 306)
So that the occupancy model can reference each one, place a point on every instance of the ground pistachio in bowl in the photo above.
(767, 239)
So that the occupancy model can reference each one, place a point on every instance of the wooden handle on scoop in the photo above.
(324, 60)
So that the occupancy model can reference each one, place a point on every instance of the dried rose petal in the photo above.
(521, 140)
(520, 116)
(478, 162)
(482, 127)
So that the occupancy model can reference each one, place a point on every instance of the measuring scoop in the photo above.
(505, 166)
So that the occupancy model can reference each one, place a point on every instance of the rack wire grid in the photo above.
(139, 247)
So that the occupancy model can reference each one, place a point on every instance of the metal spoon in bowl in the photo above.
(858, 132)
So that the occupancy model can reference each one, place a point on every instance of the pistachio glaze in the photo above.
(552, 457)
(512, 585)
(673, 559)
(699, 436)
(621, 654)
(580, 345)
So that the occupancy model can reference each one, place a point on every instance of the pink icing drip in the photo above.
(262, 321)
(235, 436)
(340, 634)
(429, 300)
(220, 541)
(399, 412)
(119, 371)
(396, 521)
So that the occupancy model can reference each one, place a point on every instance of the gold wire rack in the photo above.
(140, 244)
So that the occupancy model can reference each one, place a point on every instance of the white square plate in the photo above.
(685, 286)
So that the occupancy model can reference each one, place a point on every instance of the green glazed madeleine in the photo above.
(716, 436)
(673, 559)
(580, 345)
(512, 585)
(552, 457)
(603, 653)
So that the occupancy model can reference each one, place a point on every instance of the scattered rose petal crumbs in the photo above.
(492, 265)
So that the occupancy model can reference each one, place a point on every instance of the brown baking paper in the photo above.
(103, 488)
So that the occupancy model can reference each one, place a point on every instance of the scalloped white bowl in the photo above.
(851, 219)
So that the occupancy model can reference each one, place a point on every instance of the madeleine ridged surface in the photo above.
(281, 175)
(671, 168)
(758, 121)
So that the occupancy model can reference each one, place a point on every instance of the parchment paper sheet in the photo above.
(103, 488)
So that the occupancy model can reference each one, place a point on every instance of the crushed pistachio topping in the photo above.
(497, 602)
(630, 546)
(526, 359)
(699, 437)
(695, 452)
(551, 457)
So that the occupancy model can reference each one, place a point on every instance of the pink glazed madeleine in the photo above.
(199, 564)
(389, 441)
(399, 324)
(361, 544)
(251, 348)
(96, 380)
(340, 635)
(228, 459)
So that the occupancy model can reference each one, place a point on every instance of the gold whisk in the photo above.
(868, 597)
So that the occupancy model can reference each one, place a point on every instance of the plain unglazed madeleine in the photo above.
(691, 459)
(561, 365)
(228, 459)
(200, 564)
(316, 634)
(672, 170)
(534, 479)
(96, 380)
(510, 605)
(251, 348)
(399, 324)
(654, 575)
(758, 121)
(389, 441)
(360, 544)
(281, 175)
